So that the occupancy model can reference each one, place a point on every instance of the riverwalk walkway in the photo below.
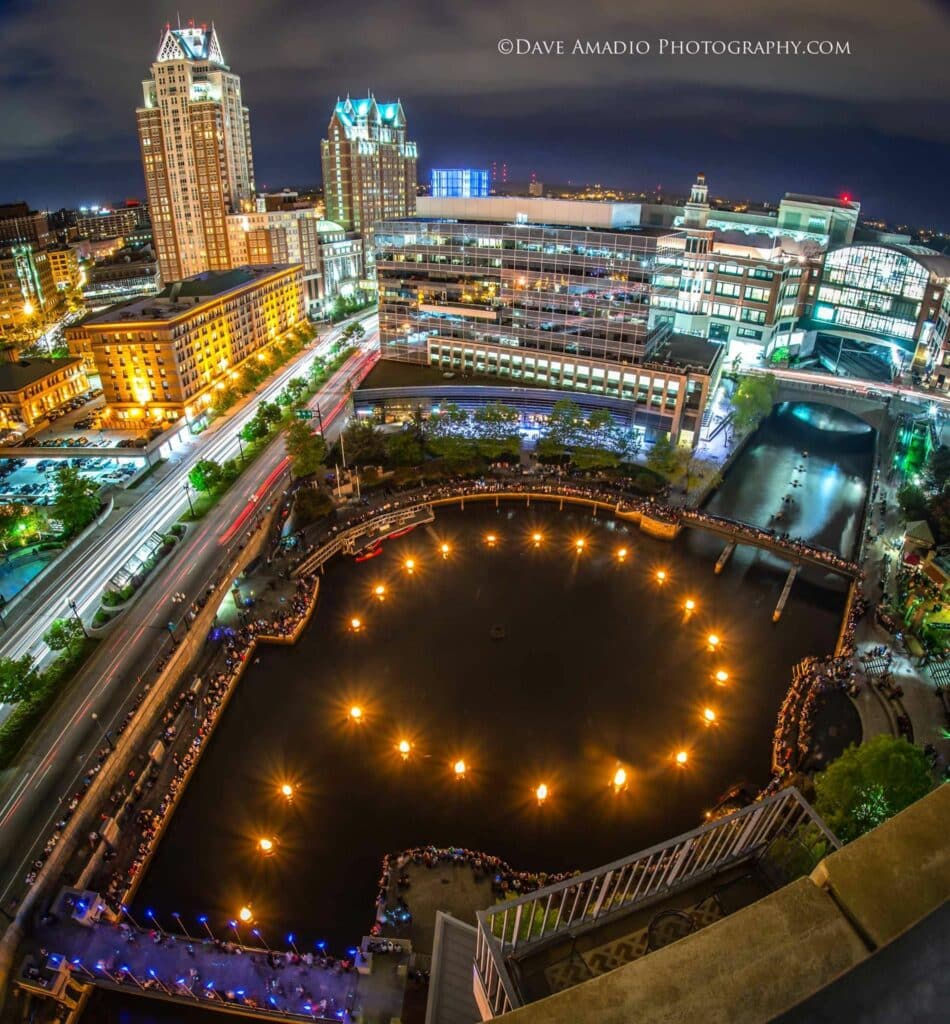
(290, 982)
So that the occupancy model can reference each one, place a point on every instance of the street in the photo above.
(52, 766)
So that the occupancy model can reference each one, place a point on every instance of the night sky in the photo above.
(875, 124)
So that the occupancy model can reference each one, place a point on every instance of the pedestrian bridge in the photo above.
(416, 507)
(81, 947)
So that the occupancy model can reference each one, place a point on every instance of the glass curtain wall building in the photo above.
(886, 297)
(554, 306)
(459, 183)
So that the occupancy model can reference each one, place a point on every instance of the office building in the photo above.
(162, 357)
(122, 274)
(876, 310)
(555, 298)
(31, 388)
(97, 224)
(459, 183)
(369, 164)
(195, 141)
(332, 258)
(64, 267)
(20, 224)
(28, 292)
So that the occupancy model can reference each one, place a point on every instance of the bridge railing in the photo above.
(520, 925)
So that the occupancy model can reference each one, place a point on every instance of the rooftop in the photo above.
(840, 204)
(686, 350)
(182, 297)
(18, 375)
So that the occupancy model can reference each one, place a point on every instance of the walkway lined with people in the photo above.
(605, 494)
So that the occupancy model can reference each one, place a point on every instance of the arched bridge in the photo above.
(415, 508)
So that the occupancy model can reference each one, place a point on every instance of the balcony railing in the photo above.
(575, 904)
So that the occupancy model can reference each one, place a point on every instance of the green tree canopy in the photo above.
(939, 465)
(753, 400)
(307, 450)
(75, 499)
(448, 434)
(404, 448)
(495, 428)
(664, 457)
(204, 475)
(363, 444)
(913, 502)
(869, 783)
(64, 635)
(19, 679)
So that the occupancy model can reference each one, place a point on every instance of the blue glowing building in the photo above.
(459, 183)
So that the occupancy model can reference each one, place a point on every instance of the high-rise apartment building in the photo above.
(195, 138)
(105, 223)
(369, 165)
(18, 223)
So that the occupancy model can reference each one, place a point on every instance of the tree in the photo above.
(204, 475)
(939, 465)
(404, 448)
(19, 679)
(363, 444)
(938, 514)
(269, 412)
(75, 499)
(353, 331)
(64, 635)
(663, 457)
(448, 434)
(870, 783)
(496, 430)
(254, 429)
(307, 450)
(913, 502)
(753, 400)
(311, 504)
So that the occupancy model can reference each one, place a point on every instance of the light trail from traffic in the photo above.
(84, 580)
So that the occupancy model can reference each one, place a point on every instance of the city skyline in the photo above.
(871, 123)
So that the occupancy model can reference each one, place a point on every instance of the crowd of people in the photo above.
(391, 905)
(236, 647)
(605, 492)
(811, 677)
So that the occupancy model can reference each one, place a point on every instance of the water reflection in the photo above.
(805, 472)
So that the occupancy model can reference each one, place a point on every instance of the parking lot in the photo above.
(77, 426)
(31, 481)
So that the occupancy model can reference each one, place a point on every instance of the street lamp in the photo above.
(75, 610)
(240, 448)
(103, 730)
(191, 507)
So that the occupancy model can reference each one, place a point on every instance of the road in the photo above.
(59, 755)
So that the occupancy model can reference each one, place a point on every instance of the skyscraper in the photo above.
(196, 151)
(369, 166)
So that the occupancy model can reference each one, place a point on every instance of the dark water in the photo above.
(598, 665)
(827, 486)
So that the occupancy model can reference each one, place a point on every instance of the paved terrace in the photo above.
(214, 972)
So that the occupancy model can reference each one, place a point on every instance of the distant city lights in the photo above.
(541, 793)
(459, 768)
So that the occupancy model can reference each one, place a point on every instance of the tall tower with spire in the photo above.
(369, 165)
(195, 138)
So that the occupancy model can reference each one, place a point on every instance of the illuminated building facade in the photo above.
(739, 281)
(20, 224)
(459, 183)
(64, 266)
(369, 164)
(31, 388)
(195, 139)
(162, 357)
(883, 304)
(332, 258)
(123, 274)
(560, 306)
(103, 223)
(28, 292)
